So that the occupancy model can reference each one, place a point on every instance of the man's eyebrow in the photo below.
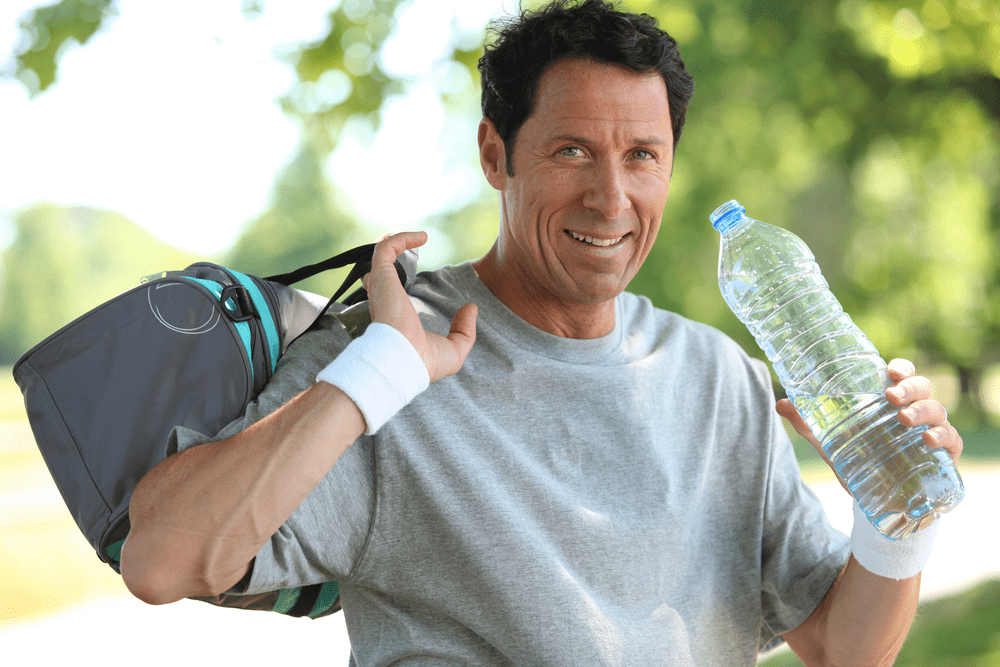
(640, 141)
(653, 141)
(570, 138)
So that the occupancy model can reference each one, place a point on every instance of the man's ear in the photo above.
(492, 154)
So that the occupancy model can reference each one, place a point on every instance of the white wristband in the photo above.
(380, 371)
(894, 559)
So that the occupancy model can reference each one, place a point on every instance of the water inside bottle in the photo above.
(830, 414)
(884, 464)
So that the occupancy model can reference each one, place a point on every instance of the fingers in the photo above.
(947, 437)
(389, 304)
(940, 432)
(463, 328)
(387, 300)
(906, 388)
(390, 232)
(900, 369)
(390, 246)
(914, 395)
(909, 389)
(923, 413)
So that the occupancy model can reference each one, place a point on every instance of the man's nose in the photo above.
(606, 190)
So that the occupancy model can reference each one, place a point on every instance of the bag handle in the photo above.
(352, 256)
(361, 257)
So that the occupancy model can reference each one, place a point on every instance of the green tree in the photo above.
(300, 226)
(46, 33)
(66, 260)
(868, 127)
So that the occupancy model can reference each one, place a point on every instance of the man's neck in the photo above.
(567, 320)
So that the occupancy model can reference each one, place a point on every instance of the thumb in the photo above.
(787, 410)
(463, 329)
(447, 354)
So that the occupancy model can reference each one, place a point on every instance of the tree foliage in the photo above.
(66, 260)
(46, 33)
(869, 127)
(302, 225)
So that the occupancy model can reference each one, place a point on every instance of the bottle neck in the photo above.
(729, 216)
(737, 227)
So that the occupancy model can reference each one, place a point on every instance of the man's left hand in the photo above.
(912, 394)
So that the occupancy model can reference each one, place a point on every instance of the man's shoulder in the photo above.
(438, 293)
(695, 341)
(444, 281)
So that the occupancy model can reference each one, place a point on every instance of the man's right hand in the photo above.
(389, 304)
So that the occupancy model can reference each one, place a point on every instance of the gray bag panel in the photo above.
(89, 393)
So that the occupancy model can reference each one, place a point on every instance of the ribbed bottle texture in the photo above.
(833, 375)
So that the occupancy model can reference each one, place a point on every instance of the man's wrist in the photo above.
(894, 559)
(380, 371)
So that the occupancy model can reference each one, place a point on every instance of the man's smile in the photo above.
(590, 240)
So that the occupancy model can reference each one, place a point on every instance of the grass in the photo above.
(981, 442)
(959, 631)
(11, 401)
(46, 564)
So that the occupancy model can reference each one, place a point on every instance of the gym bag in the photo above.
(184, 348)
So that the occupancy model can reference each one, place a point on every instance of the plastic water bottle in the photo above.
(833, 375)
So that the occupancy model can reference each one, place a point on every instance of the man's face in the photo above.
(591, 176)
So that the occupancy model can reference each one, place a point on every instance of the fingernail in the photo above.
(896, 392)
(910, 414)
(934, 435)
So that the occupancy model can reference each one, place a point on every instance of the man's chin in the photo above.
(596, 293)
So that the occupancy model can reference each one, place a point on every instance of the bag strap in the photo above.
(266, 318)
(353, 256)
(361, 257)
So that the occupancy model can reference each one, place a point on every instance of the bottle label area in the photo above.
(900, 482)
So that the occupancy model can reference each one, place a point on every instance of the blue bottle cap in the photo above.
(727, 216)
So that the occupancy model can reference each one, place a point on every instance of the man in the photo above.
(587, 480)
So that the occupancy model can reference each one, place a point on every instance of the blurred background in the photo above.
(142, 136)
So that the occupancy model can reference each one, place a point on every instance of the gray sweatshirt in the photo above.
(626, 500)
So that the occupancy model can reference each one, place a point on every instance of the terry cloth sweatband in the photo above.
(895, 559)
(380, 371)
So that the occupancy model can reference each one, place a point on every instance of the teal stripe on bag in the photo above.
(286, 600)
(266, 317)
(115, 551)
(328, 594)
(242, 328)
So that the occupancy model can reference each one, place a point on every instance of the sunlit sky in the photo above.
(169, 116)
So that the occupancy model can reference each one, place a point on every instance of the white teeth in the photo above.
(598, 242)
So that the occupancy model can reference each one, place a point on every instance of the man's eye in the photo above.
(570, 151)
(643, 155)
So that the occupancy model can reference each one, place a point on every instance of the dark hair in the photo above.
(527, 44)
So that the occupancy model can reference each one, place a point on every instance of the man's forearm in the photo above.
(863, 620)
(200, 516)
